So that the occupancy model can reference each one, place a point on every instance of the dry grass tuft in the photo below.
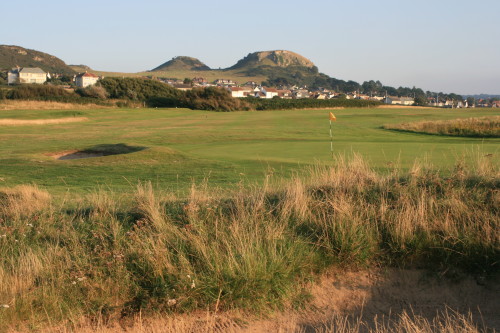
(23, 200)
(23, 122)
(46, 105)
(485, 127)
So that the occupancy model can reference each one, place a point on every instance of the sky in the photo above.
(438, 45)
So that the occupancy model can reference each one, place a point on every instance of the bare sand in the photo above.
(371, 296)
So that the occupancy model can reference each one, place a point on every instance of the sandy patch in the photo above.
(371, 296)
(22, 122)
(96, 151)
(75, 155)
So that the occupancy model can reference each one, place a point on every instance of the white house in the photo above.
(26, 75)
(300, 93)
(239, 91)
(399, 100)
(86, 79)
(269, 92)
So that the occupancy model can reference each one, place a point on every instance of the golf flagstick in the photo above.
(331, 117)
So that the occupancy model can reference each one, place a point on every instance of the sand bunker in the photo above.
(96, 151)
(18, 122)
(76, 154)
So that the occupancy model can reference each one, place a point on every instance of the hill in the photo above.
(80, 68)
(182, 63)
(12, 56)
(278, 58)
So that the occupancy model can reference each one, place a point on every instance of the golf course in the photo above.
(173, 148)
(154, 220)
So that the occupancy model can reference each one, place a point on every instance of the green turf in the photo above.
(178, 146)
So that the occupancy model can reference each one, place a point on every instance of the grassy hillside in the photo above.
(210, 75)
(182, 63)
(181, 146)
(12, 56)
(257, 66)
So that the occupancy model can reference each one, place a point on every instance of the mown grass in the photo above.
(227, 148)
(484, 127)
(252, 248)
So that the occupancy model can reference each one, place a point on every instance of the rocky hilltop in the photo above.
(12, 56)
(182, 63)
(277, 58)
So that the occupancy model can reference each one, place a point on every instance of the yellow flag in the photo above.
(332, 117)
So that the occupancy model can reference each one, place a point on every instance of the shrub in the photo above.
(138, 89)
(36, 91)
(215, 99)
(93, 91)
(306, 103)
(212, 98)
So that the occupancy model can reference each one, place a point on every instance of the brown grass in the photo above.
(46, 105)
(23, 122)
(470, 127)
(23, 200)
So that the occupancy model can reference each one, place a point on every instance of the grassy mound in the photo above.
(484, 127)
(252, 249)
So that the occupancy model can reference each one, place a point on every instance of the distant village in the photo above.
(35, 75)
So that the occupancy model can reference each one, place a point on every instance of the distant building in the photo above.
(239, 91)
(182, 86)
(199, 80)
(269, 92)
(26, 75)
(284, 93)
(224, 82)
(300, 93)
(399, 100)
(86, 79)
(251, 84)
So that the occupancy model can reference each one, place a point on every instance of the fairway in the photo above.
(178, 146)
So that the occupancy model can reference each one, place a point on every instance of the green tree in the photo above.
(471, 101)
(420, 100)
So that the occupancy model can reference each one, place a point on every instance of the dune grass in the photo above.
(251, 248)
(483, 127)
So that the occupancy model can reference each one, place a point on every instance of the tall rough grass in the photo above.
(445, 321)
(484, 127)
(252, 249)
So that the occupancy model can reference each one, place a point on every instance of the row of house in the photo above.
(35, 75)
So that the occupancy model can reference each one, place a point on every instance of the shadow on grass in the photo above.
(102, 150)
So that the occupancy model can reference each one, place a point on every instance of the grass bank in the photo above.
(251, 249)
